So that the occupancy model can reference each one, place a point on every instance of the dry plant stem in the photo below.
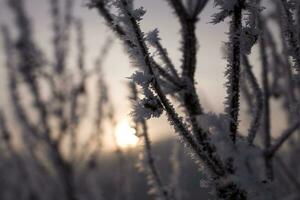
(7, 137)
(255, 122)
(167, 60)
(189, 47)
(13, 87)
(234, 70)
(62, 22)
(19, 111)
(199, 7)
(64, 170)
(5, 133)
(190, 99)
(63, 167)
(27, 72)
(56, 16)
(23, 118)
(201, 147)
(29, 60)
(61, 27)
(179, 125)
(148, 150)
(61, 38)
(291, 101)
(284, 137)
(277, 61)
(266, 102)
(291, 36)
(168, 107)
(77, 91)
(81, 47)
(105, 13)
(161, 71)
(151, 162)
(102, 100)
(245, 90)
(291, 95)
(179, 9)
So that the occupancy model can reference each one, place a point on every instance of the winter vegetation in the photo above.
(47, 152)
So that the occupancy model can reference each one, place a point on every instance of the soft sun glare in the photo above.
(125, 135)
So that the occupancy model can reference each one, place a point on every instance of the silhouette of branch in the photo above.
(283, 137)
(255, 123)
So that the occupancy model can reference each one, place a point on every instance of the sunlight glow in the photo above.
(125, 135)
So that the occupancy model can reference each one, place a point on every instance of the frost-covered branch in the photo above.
(200, 5)
(155, 180)
(154, 40)
(161, 71)
(145, 62)
(190, 98)
(228, 158)
(179, 9)
(102, 7)
(291, 33)
(233, 68)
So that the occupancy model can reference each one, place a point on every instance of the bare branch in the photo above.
(255, 123)
(266, 100)
(148, 150)
(172, 115)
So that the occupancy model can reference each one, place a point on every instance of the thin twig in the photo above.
(284, 137)
(266, 101)
(255, 123)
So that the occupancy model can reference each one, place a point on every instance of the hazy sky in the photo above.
(211, 65)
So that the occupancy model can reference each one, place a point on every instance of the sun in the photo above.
(125, 135)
